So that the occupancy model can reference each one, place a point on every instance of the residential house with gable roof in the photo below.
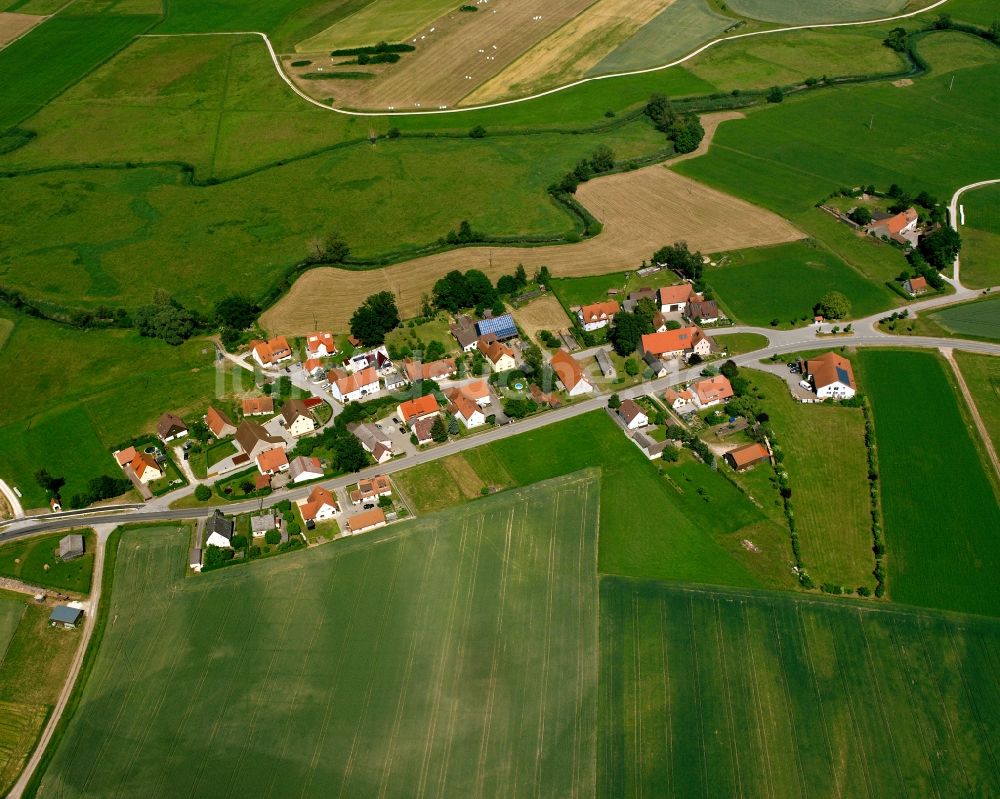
(271, 352)
(674, 298)
(712, 391)
(598, 314)
(297, 417)
(320, 345)
(320, 506)
(413, 410)
(353, 387)
(466, 411)
(633, 415)
(570, 374)
(253, 439)
(220, 424)
(831, 376)
(171, 426)
(683, 342)
(500, 356)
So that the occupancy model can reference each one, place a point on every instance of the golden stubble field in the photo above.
(13, 25)
(641, 211)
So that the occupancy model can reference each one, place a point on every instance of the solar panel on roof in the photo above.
(500, 326)
(842, 376)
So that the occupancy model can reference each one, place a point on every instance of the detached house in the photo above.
(170, 426)
(465, 333)
(570, 374)
(675, 298)
(598, 315)
(320, 345)
(370, 490)
(703, 312)
(373, 439)
(432, 370)
(319, 506)
(220, 424)
(146, 468)
(901, 227)
(411, 411)
(746, 456)
(500, 356)
(219, 531)
(680, 401)
(297, 417)
(915, 286)
(831, 376)
(422, 430)
(269, 353)
(683, 342)
(366, 520)
(712, 391)
(305, 468)
(633, 415)
(353, 387)
(253, 439)
(477, 390)
(466, 411)
(272, 461)
(258, 406)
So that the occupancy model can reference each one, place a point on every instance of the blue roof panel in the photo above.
(842, 376)
(500, 326)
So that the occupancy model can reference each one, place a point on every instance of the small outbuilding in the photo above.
(746, 456)
(194, 559)
(71, 546)
(65, 616)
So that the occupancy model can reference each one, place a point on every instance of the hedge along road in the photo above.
(392, 113)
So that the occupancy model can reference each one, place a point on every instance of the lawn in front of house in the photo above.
(36, 561)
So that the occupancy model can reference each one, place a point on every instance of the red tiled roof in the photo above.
(355, 381)
(747, 454)
(257, 405)
(567, 368)
(679, 340)
(365, 519)
(272, 460)
(421, 406)
(599, 310)
(671, 295)
(713, 389)
(314, 340)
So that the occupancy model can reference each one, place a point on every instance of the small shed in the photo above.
(194, 559)
(65, 616)
(71, 546)
(604, 362)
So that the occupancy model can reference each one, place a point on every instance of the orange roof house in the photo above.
(570, 373)
(320, 504)
(418, 408)
(671, 343)
(831, 376)
(271, 351)
(432, 370)
(125, 456)
(272, 461)
(372, 488)
(712, 391)
(145, 467)
(674, 298)
(220, 424)
(366, 520)
(746, 456)
(598, 315)
(258, 406)
(915, 286)
(320, 345)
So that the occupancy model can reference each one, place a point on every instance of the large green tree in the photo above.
(375, 317)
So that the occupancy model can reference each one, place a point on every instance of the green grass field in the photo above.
(982, 376)
(482, 622)
(38, 552)
(391, 21)
(685, 523)
(739, 343)
(56, 54)
(974, 319)
(940, 508)
(784, 283)
(725, 693)
(825, 458)
(788, 58)
(11, 611)
(979, 12)
(806, 11)
(677, 30)
(981, 237)
(87, 391)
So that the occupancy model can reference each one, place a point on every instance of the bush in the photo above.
(203, 493)
(775, 95)
(238, 541)
(272, 537)
(294, 528)
(478, 132)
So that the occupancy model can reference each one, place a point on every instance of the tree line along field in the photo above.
(938, 499)
(982, 376)
(826, 462)
(682, 522)
(453, 655)
(735, 693)
(981, 237)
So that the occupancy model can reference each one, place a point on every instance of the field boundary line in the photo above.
(501, 103)
(733, 747)
(984, 433)
(668, 726)
(954, 222)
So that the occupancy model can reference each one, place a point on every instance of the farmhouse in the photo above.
(684, 341)
(302, 469)
(352, 387)
(146, 468)
(297, 417)
(258, 406)
(425, 407)
(500, 356)
(598, 315)
(253, 439)
(65, 616)
(319, 506)
(633, 415)
(570, 373)
(272, 461)
(703, 312)
(746, 456)
(901, 227)
(373, 439)
(466, 411)
(371, 489)
(320, 345)
(675, 298)
(169, 426)
(219, 530)
(831, 376)
(502, 327)
(433, 370)
(680, 401)
(71, 546)
(712, 391)
(604, 364)
(465, 333)
(220, 424)
(268, 353)
(366, 520)
(915, 286)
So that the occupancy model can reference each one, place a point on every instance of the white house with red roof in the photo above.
(633, 415)
(598, 315)
(675, 298)
(685, 341)
(271, 352)
(320, 345)
(353, 387)
(319, 506)
(414, 410)
(466, 411)
(712, 391)
(570, 374)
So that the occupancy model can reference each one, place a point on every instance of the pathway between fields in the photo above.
(953, 217)
(89, 620)
(311, 100)
(984, 433)
(12, 500)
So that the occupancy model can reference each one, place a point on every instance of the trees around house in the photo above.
(374, 318)
(519, 407)
(434, 351)
(99, 488)
(216, 556)
(384, 502)
(614, 402)
(833, 305)
(860, 215)
(680, 259)
(458, 290)
(348, 454)
(626, 331)
(438, 430)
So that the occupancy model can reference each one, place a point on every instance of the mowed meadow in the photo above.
(727, 693)
(449, 656)
(939, 498)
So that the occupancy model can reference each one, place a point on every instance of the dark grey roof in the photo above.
(65, 614)
(217, 523)
(195, 556)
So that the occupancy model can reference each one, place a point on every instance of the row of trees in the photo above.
(601, 160)
(678, 258)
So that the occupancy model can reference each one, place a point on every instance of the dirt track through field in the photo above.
(641, 211)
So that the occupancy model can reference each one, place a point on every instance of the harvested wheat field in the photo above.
(641, 211)
(13, 26)
(545, 313)
(464, 51)
(572, 50)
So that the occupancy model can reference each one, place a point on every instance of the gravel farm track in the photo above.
(640, 210)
